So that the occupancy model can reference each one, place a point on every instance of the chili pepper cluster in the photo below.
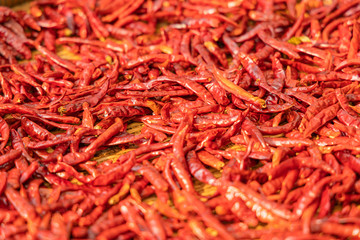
(256, 102)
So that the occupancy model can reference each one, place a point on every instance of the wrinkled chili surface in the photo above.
(256, 100)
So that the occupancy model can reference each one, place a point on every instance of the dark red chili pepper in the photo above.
(25, 209)
(95, 23)
(256, 73)
(76, 157)
(5, 133)
(339, 11)
(29, 171)
(6, 89)
(110, 132)
(153, 176)
(35, 131)
(354, 44)
(349, 160)
(33, 191)
(15, 41)
(198, 170)
(237, 90)
(3, 177)
(312, 194)
(48, 143)
(56, 59)
(181, 173)
(297, 162)
(107, 45)
(283, 47)
(9, 156)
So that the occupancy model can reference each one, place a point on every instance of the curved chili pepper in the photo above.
(345, 105)
(347, 119)
(18, 144)
(95, 22)
(349, 160)
(48, 143)
(6, 89)
(145, 149)
(29, 171)
(298, 24)
(198, 170)
(297, 162)
(25, 209)
(204, 54)
(218, 93)
(118, 140)
(135, 222)
(154, 177)
(237, 90)
(115, 173)
(354, 44)
(26, 77)
(9, 156)
(56, 59)
(35, 131)
(329, 27)
(204, 121)
(339, 11)
(191, 85)
(15, 41)
(312, 194)
(13, 178)
(307, 216)
(250, 127)
(283, 47)
(265, 210)
(321, 118)
(59, 150)
(271, 108)
(256, 73)
(109, 133)
(280, 129)
(107, 45)
(182, 174)
(288, 183)
(347, 183)
(76, 157)
(5, 133)
(303, 67)
(3, 177)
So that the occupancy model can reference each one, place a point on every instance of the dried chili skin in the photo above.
(232, 114)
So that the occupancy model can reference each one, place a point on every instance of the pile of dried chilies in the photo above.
(257, 100)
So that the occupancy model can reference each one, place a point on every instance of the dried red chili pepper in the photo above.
(5, 133)
(172, 67)
(237, 90)
(25, 209)
(9, 156)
